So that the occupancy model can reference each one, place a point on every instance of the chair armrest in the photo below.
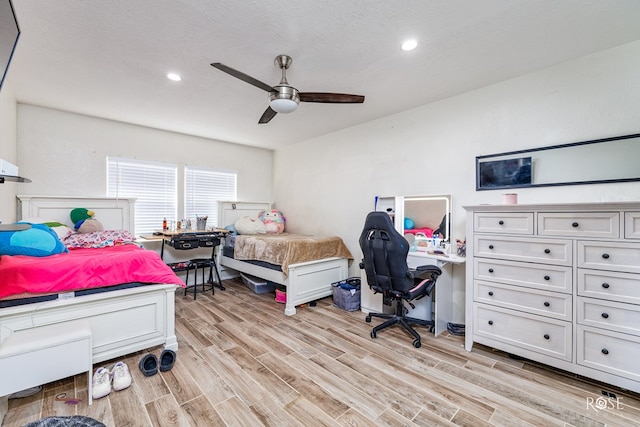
(425, 272)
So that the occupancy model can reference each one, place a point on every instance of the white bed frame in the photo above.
(122, 321)
(306, 281)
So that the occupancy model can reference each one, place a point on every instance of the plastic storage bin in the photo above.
(257, 285)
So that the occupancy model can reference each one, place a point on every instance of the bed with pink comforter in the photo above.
(23, 276)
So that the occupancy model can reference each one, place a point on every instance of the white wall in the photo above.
(8, 152)
(327, 185)
(65, 153)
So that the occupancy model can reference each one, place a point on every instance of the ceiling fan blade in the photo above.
(242, 76)
(268, 114)
(331, 98)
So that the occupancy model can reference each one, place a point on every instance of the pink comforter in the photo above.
(82, 269)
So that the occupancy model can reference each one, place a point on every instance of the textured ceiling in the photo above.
(109, 59)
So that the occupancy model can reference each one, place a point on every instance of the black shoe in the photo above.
(149, 365)
(167, 359)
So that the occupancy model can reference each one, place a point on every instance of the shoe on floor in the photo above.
(101, 383)
(149, 365)
(167, 359)
(120, 376)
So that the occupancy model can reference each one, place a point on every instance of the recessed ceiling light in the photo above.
(409, 44)
(173, 76)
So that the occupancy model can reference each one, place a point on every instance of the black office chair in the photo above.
(384, 261)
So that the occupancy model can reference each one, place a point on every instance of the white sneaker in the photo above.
(120, 376)
(101, 383)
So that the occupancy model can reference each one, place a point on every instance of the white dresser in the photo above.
(558, 284)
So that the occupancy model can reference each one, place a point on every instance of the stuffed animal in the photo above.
(83, 221)
(273, 221)
(248, 225)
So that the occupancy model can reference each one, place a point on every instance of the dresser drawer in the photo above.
(632, 225)
(609, 256)
(544, 303)
(610, 285)
(549, 251)
(579, 224)
(539, 276)
(610, 352)
(505, 223)
(541, 335)
(615, 316)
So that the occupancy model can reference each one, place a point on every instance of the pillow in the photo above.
(248, 225)
(99, 239)
(60, 229)
(39, 240)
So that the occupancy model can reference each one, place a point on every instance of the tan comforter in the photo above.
(286, 249)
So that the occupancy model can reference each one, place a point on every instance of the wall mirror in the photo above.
(588, 162)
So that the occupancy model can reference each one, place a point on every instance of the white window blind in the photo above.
(204, 188)
(153, 184)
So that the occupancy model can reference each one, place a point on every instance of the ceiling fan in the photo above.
(284, 98)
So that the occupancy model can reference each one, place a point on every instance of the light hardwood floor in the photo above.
(241, 362)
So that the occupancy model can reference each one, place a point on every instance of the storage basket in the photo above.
(346, 294)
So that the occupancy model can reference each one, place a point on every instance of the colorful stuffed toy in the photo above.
(83, 221)
(273, 221)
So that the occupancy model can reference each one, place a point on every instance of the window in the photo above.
(153, 184)
(204, 188)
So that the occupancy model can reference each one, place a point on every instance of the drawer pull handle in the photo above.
(605, 351)
(547, 303)
(575, 225)
(547, 278)
(490, 293)
(490, 246)
(546, 336)
(501, 222)
(605, 315)
(547, 251)
(491, 270)
(491, 322)
(605, 256)
(605, 285)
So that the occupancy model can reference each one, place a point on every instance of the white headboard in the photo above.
(230, 212)
(113, 213)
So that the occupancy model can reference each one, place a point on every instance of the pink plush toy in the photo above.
(273, 221)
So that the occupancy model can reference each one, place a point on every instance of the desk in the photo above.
(443, 306)
(192, 239)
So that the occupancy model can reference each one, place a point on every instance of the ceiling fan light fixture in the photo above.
(285, 100)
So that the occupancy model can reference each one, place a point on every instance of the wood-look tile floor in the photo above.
(242, 362)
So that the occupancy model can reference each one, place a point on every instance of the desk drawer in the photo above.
(208, 242)
(185, 244)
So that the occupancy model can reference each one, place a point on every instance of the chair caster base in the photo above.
(417, 343)
(367, 319)
(373, 334)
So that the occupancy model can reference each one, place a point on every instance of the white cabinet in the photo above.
(558, 284)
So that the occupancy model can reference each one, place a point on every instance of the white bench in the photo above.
(32, 357)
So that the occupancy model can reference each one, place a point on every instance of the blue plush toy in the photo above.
(409, 224)
(39, 240)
